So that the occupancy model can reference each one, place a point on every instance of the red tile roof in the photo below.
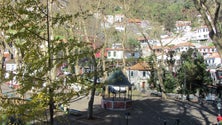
(134, 20)
(183, 23)
(207, 47)
(184, 44)
(140, 66)
(6, 54)
(215, 55)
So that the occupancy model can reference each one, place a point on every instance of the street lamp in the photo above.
(184, 79)
(127, 114)
(219, 105)
(129, 75)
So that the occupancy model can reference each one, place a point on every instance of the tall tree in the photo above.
(30, 26)
(192, 74)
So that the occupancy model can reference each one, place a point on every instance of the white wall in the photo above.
(119, 54)
(213, 61)
(136, 77)
(201, 33)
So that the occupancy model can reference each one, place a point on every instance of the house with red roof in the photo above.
(139, 74)
(183, 26)
(200, 34)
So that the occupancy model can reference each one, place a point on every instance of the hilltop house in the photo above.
(183, 26)
(200, 34)
(114, 21)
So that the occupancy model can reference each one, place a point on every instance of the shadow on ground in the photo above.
(147, 111)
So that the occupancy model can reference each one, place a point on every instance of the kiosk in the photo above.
(117, 94)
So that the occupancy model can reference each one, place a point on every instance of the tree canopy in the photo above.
(192, 74)
(31, 28)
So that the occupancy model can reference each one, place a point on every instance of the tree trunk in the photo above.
(52, 68)
(211, 12)
(161, 85)
(91, 101)
(95, 74)
(1, 66)
(103, 52)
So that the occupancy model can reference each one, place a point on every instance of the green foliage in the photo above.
(170, 82)
(164, 12)
(211, 44)
(192, 72)
(132, 43)
(3, 119)
(40, 55)
(153, 77)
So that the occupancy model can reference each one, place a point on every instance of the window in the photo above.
(109, 54)
(131, 73)
(144, 73)
(219, 73)
(114, 54)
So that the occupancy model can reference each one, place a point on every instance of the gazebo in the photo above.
(117, 94)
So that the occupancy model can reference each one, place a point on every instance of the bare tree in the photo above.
(211, 12)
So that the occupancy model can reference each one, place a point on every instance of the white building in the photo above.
(139, 74)
(117, 52)
(183, 47)
(207, 50)
(115, 21)
(183, 26)
(213, 59)
(200, 34)
(120, 53)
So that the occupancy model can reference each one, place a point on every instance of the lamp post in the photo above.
(219, 105)
(127, 117)
(129, 75)
(184, 82)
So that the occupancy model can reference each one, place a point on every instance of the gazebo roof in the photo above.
(118, 78)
